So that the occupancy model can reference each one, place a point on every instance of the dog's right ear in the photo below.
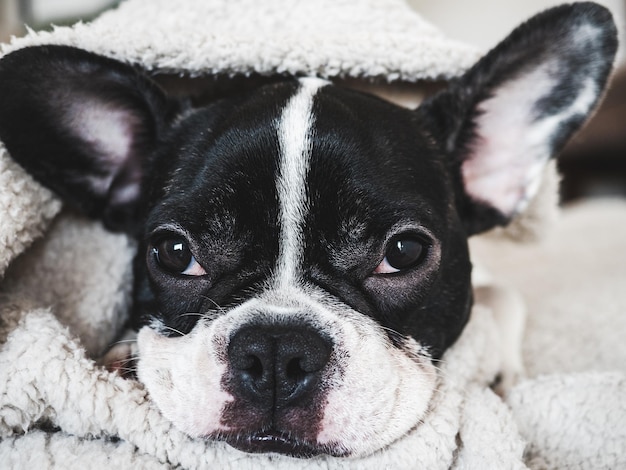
(502, 121)
(83, 125)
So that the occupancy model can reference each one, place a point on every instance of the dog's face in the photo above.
(302, 310)
(303, 251)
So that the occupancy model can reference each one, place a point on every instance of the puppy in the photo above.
(303, 258)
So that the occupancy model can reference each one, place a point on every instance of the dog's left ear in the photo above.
(83, 125)
(503, 120)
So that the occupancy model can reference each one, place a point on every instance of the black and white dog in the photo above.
(303, 247)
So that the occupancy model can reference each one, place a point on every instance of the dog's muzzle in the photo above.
(297, 374)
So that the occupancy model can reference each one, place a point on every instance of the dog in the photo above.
(303, 260)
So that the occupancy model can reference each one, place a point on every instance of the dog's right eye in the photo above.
(174, 256)
(403, 252)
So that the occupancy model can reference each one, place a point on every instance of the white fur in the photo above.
(183, 376)
(294, 131)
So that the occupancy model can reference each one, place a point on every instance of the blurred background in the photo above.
(14, 14)
(593, 164)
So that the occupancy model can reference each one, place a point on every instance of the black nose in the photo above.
(277, 366)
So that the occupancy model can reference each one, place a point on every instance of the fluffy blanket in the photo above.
(65, 281)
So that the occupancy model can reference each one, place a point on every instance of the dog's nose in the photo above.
(277, 366)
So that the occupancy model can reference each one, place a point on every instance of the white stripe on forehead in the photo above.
(294, 131)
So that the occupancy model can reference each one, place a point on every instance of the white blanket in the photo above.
(66, 282)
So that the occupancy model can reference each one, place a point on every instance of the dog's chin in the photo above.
(262, 442)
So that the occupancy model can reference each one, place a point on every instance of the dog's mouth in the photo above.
(277, 442)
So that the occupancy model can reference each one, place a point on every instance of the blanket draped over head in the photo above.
(65, 285)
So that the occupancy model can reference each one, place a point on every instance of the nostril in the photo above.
(253, 366)
(294, 369)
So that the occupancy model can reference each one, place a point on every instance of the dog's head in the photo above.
(303, 248)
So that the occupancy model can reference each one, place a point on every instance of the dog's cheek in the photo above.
(182, 376)
(383, 393)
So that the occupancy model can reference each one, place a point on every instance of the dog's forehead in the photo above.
(336, 139)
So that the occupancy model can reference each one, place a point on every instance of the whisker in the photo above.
(193, 314)
(170, 328)
(218, 306)
(123, 341)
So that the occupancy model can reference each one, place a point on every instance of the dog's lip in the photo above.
(274, 441)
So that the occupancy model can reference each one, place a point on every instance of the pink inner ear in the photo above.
(514, 141)
(106, 127)
(108, 130)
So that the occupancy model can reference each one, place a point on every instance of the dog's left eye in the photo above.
(403, 252)
(174, 256)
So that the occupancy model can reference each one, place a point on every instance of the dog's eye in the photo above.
(403, 252)
(174, 256)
